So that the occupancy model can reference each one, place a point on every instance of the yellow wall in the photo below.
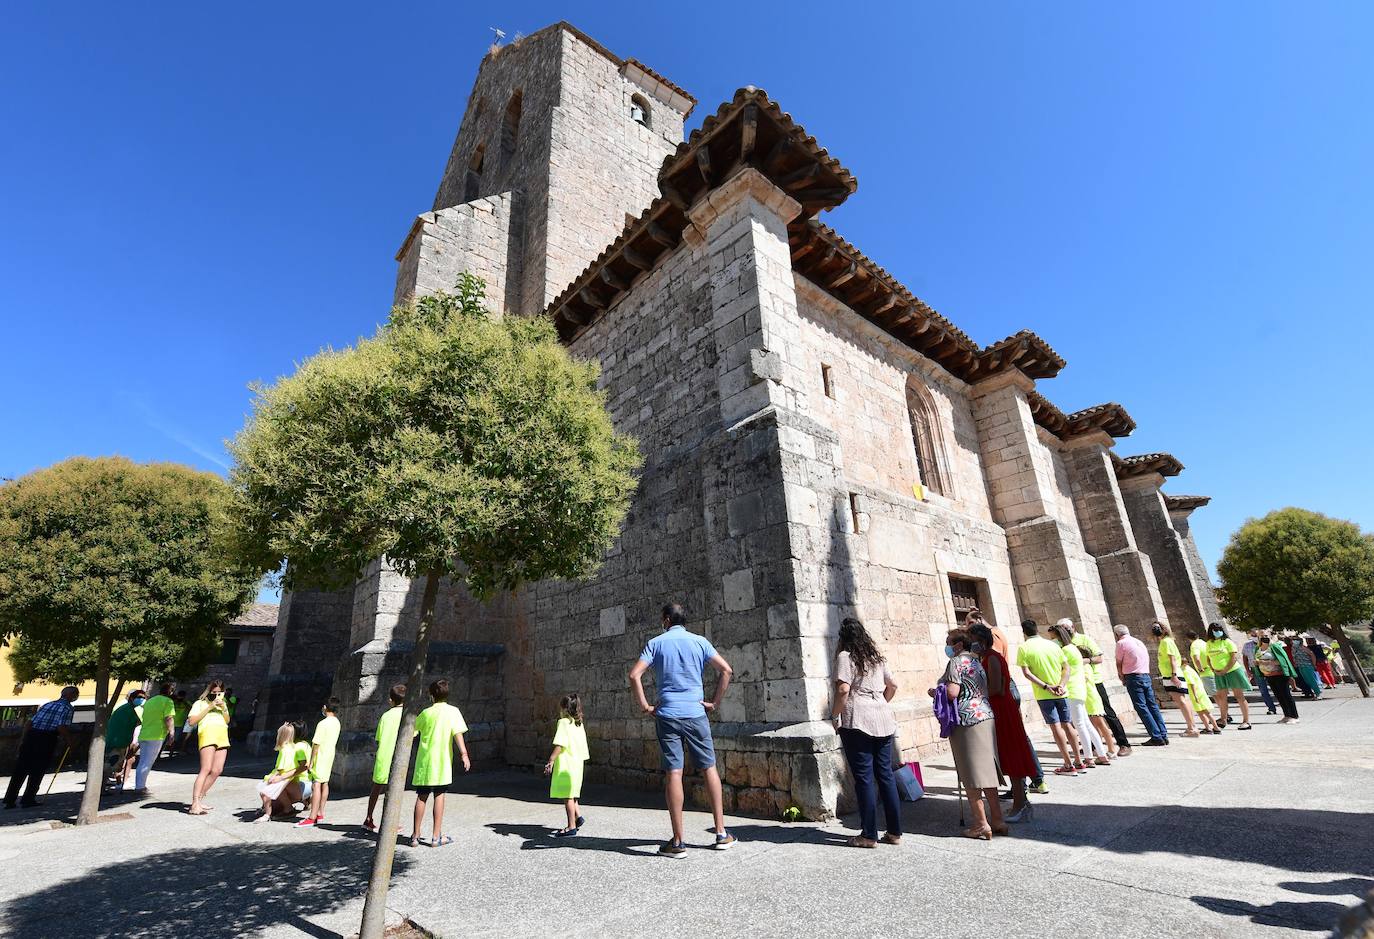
(34, 692)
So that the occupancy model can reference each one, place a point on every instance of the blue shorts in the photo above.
(1054, 710)
(695, 732)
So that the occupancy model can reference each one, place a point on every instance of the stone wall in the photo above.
(1157, 538)
(1180, 519)
(310, 640)
(478, 237)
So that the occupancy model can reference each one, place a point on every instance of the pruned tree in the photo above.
(100, 553)
(453, 443)
(132, 659)
(1296, 570)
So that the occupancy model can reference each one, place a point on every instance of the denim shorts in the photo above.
(1054, 710)
(695, 732)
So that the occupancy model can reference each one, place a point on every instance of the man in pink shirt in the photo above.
(1133, 665)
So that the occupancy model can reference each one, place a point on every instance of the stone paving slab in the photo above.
(1265, 833)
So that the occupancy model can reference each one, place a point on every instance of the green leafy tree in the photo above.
(1299, 570)
(453, 444)
(96, 553)
(132, 659)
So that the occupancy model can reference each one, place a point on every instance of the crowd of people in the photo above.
(977, 701)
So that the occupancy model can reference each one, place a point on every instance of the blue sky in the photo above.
(1179, 198)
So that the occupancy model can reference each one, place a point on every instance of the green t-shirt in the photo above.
(180, 711)
(1045, 660)
(1197, 649)
(291, 756)
(387, 729)
(1219, 652)
(326, 737)
(119, 729)
(1076, 685)
(1089, 648)
(156, 710)
(1168, 651)
(436, 726)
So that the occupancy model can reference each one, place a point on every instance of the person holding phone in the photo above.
(210, 717)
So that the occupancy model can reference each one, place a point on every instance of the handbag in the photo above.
(908, 782)
(945, 712)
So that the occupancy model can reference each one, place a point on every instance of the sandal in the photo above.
(859, 841)
(1065, 771)
(1103, 761)
(1245, 726)
(446, 840)
(978, 834)
(414, 842)
(1001, 830)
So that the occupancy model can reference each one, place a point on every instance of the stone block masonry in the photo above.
(807, 456)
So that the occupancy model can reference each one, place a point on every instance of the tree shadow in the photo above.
(218, 893)
(63, 806)
(1346, 886)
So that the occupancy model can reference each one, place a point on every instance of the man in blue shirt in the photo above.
(48, 724)
(679, 658)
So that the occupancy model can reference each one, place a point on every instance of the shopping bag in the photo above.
(907, 785)
(916, 768)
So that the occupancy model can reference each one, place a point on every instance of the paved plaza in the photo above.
(1266, 833)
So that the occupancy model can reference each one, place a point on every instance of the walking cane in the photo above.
(60, 763)
(961, 803)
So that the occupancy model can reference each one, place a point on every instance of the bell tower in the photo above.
(560, 144)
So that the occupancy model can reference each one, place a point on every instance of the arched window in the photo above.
(640, 111)
(472, 183)
(925, 434)
(510, 125)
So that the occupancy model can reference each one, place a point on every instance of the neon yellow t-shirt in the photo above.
(1219, 652)
(326, 737)
(1168, 651)
(1089, 649)
(1197, 649)
(387, 729)
(1045, 660)
(156, 710)
(1076, 685)
(291, 756)
(436, 726)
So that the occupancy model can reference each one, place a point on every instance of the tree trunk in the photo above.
(374, 909)
(1352, 664)
(95, 760)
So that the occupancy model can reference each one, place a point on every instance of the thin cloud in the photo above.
(169, 430)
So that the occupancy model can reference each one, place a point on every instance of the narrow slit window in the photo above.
(510, 125)
(854, 511)
(828, 380)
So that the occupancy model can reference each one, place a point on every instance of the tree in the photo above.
(1299, 570)
(96, 553)
(132, 659)
(452, 444)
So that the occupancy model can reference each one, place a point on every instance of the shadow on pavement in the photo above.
(1315, 915)
(212, 893)
(540, 837)
(63, 806)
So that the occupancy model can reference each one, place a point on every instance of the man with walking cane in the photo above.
(41, 734)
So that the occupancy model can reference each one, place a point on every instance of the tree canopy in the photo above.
(452, 441)
(1297, 570)
(103, 553)
(133, 659)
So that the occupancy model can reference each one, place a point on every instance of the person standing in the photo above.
(1015, 755)
(1076, 684)
(1247, 657)
(1322, 661)
(679, 659)
(440, 728)
(121, 734)
(1173, 675)
(210, 718)
(157, 727)
(973, 740)
(1307, 672)
(564, 767)
(1224, 658)
(1092, 659)
(1133, 665)
(387, 730)
(181, 710)
(862, 714)
(1279, 673)
(322, 762)
(1046, 668)
(1197, 654)
(42, 732)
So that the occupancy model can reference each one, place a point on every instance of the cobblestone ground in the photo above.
(1265, 833)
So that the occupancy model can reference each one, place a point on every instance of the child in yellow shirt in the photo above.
(564, 767)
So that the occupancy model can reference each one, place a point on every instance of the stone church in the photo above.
(818, 443)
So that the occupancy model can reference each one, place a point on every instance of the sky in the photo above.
(1178, 197)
